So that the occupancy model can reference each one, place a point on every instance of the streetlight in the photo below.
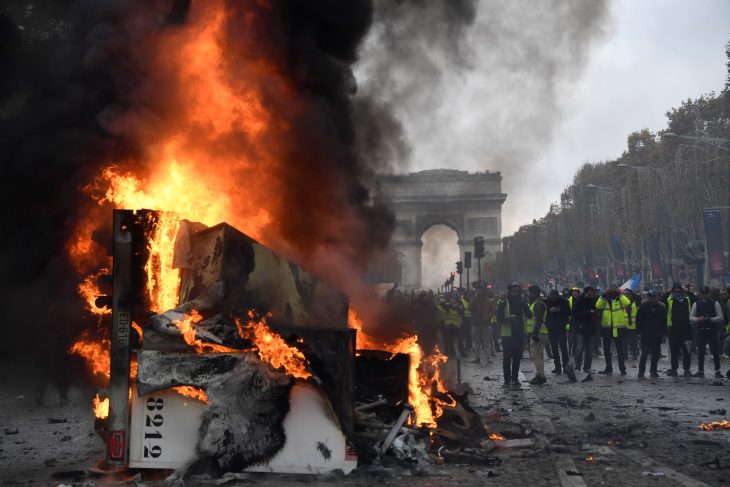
(714, 141)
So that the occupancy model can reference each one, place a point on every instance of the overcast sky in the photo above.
(656, 54)
(555, 84)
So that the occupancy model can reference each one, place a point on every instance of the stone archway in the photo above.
(439, 252)
(469, 203)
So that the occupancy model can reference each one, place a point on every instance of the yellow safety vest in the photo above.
(530, 324)
(506, 329)
(615, 316)
(633, 310)
(670, 302)
(466, 304)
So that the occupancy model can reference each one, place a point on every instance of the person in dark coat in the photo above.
(680, 330)
(558, 314)
(651, 325)
(584, 323)
(512, 310)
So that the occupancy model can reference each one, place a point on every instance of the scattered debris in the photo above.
(720, 412)
(11, 431)
(57, 420)
(652, 474)
(590, 417)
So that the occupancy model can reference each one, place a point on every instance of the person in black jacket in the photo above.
(558, 314)
(584, 323)
(511, 313)
(651, 324)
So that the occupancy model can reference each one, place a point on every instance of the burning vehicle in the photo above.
(259, 366)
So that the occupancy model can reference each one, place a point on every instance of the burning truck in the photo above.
(256, 365)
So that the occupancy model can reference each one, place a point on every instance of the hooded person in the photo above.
(584, 327)
(512, 310)
(680, 329)
(651, 325)
(558, 315)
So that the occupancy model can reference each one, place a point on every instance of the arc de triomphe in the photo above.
(469, 203)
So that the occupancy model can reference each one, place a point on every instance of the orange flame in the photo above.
(496, 437)
(272, 348)
(715, 425)
(192, 392)
(422, 375)
(188, 333)
(89, 290)
(589, 458)
(95, 353)
(101, 407)
(418, 396)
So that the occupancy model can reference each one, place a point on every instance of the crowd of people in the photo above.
(574, 326)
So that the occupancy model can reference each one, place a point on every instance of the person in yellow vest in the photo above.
(450, 320)
(631, 342)
(613, 307)
(680, 330)
(537, 332)
(511, 313)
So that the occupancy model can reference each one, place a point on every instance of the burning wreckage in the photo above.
(256, 368)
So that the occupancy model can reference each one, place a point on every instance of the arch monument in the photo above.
(469, 203)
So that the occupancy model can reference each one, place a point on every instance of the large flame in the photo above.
(94, 352)
(272, 348)
(424, 373)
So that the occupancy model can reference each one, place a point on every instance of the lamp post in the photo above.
(717, 142)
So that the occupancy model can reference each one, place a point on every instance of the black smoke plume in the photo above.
(84, 90)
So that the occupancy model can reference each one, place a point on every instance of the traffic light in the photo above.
(467, 260)
(459, 268)
(479, 247)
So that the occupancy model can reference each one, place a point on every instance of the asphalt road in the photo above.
(614, 430)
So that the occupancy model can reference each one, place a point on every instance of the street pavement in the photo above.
(614, 430)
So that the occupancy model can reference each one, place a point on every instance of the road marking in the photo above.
(648, 462)
(564, 465)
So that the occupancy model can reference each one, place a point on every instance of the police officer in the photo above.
(680, 331)
(706, 315)
(511, 313)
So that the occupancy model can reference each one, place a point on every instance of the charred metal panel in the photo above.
(248, 401)
(331, 355)
(248, 276)
(380, 373)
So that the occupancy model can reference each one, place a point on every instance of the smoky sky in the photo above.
(479, 85)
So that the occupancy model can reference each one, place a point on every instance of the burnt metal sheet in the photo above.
(248, 276)
(248, 401)
(331, 355)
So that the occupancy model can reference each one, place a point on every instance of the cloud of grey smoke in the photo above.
(439, 253)
(479, 85)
